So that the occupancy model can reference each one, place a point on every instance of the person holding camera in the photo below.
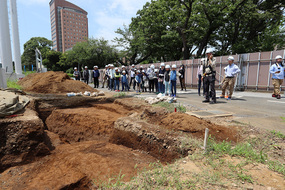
(277, 71)
(209, 77)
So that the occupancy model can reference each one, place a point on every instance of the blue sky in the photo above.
(104, 17)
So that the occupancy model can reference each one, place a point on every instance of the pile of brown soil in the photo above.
(53, 83)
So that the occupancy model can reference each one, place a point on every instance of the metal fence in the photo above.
(254, 70)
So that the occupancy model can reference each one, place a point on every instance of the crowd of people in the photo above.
(164, 79)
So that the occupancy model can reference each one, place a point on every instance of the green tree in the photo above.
(52, 61)
(28, 56)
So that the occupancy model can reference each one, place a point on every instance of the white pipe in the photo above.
(15, 36)
(206, 138)
(5, 40)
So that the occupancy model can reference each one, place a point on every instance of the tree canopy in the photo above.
(168, 30)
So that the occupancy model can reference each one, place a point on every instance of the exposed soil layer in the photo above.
(190, 124)
(80, 165)
(53, 83)
(84, 124)
(85, 141)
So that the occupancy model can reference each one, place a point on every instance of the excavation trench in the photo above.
(91, 140)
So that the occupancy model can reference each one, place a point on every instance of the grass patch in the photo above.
(277, 134)
(283, 119)
(28, 72)
(13, 84)
(120, 95)
(170, 107)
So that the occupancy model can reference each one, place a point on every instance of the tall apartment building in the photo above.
(69, 24)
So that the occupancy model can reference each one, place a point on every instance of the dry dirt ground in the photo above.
(81, 143)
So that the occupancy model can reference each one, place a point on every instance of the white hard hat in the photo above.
(203, 59)
(86, 67)
(278, 57)
(95, 67)
(133, 65)
(138, 71)
(124, 72)
(167, 66)
(111, 65)
(123, 66)
(143, 71)
(162, 64)
(174, 66)
(106, 66)
(231, 58)
(155, 70)
(209, 50)
(116, 68)
(152, 66)
(75, 68)
(141, 66)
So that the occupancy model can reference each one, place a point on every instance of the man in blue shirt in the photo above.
(96, 75)
(230, 77)
(277, 71)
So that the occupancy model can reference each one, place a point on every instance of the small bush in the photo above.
(13, 84)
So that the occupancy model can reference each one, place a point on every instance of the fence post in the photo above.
(221, 59)
(270, 63)
(247, 69)
(186, 70)
(258, 69)
(192, 72)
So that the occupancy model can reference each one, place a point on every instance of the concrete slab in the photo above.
(210, 113)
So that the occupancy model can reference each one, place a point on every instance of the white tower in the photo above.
(15, 37)
(5, 40)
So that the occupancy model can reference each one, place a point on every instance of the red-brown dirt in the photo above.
(195, 126)
(53, 83)
(73, 166)
(82, 124)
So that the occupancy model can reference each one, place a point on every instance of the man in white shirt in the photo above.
(230, 77)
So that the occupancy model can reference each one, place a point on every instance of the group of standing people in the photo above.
(164, 79)
(155, 80)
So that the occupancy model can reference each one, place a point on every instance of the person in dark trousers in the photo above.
(76, 74)
(86, 75)
(156, 75)
(96, 75)
(209, 77)
(182, 77)
(173, 79)
(150, 74)
(124, 79)
(167, 81)
(161, 72)
(199, 77)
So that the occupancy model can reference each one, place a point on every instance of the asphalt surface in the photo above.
(254, 108)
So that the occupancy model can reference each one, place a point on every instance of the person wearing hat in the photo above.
(155, 80)
(161, 78)
(230, 77)
(111, 76)
(105, 76)
(124, 80)
(150, 74)
(117, 76)
(173, 79)
(76, 74)
(138, 80)
(96, 75)
(277, 71)
(133, 75)
(199, 77)
(182, 77)
(86, 75)
(167, 80)
(209, 77)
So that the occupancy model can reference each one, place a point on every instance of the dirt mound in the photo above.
(190, 124)
(82, 124)
(79, 165)
(53, 83)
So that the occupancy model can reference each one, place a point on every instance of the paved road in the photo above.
(254, 108)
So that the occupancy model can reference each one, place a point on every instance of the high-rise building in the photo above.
(69, 24)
